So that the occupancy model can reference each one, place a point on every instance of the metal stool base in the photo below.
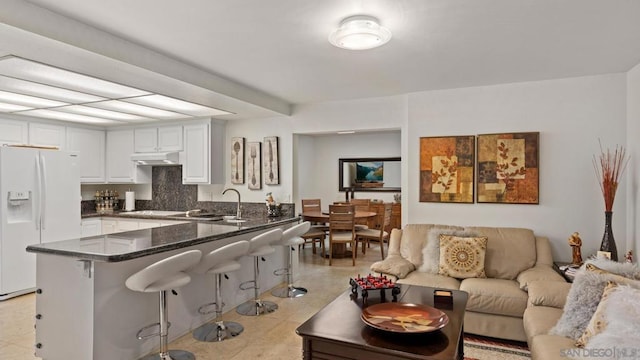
(173, 355)
(289, 292)
(209, 331)
(256, 308)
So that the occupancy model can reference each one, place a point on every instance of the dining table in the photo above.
(322, 217)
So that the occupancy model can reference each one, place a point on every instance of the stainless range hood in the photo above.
(156, 158)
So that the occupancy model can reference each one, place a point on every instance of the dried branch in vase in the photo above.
(609, 167)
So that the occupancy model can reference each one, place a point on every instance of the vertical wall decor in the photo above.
(254, 178)
(237, 160)
(447, 169)
(271, 161)
(508, 169)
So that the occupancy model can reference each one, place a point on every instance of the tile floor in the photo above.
(271, 336)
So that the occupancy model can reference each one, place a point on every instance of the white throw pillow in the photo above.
(431, 251)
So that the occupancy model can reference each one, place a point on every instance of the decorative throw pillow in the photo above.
(622, 330)
(598, 322)
(586, 291)
(431, 251)
(462, 257)
(394, 265)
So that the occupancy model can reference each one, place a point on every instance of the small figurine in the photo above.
(628, 256)
(575, 242)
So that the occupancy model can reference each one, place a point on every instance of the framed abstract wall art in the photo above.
(254, 168)
(271, 161)
(447, 169)
(508, 168)
(237, 160)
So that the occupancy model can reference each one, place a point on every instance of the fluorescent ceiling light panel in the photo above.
(52, 114)
(26, 100)
(130, 108)
(106, 114)
(171, 104)
(33, 71)
(45, 91)
(4, 107)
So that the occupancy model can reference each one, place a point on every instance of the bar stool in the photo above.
(258, 247)
(291, 238)
(218, 262)
(166, 274)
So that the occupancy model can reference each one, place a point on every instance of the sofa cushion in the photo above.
(431, 280)
(538, 320)
(414, 239)
(552, 347)
(431, 251)
(586, 291)
(495, 296)
(548, 293)
(394, 265)
(536, 273)
(509, 250)
(462, 257)
(598, 321)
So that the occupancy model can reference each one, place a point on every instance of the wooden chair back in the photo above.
(341, 218)
(386, 219)
(361, 204)
(311, 205)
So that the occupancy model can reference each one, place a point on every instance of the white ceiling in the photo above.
(280, 47)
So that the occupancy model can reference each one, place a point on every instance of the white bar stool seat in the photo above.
(290, 238)
(217, 262)
(259, 246)
(163, 275)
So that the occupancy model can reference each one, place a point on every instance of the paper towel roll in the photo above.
(129, 201)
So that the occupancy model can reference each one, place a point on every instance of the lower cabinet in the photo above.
(108, 225)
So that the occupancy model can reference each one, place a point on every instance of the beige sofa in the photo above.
(546, 301)
(514, 258)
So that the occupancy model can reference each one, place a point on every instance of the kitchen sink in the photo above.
(201, 216)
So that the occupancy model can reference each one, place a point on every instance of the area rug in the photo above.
(483, 348)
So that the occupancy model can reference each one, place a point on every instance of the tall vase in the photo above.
(608, 242)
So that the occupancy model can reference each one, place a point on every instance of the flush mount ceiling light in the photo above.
(360, 32)
(35, 89)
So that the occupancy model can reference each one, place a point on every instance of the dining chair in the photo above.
(318, 231)
(380, 233)
(342, 229)
(361, 205)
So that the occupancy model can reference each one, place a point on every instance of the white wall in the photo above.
(257, 130)
(570, 114)
(633, 172)
(320, 179)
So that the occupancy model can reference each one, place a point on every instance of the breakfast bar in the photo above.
(84, 310)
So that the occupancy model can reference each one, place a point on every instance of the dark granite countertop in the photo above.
(138, 243)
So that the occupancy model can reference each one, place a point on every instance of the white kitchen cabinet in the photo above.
(109, 226)
(13, 132)
(47, 135)
(204, 153)
(160, 139)
(91, 227)
(90, 145)
(120, 168)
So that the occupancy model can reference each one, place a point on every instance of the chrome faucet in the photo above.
(238, 210)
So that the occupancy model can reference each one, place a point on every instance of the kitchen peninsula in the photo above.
(84, 310)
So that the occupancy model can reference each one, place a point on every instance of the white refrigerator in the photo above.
(39, 203)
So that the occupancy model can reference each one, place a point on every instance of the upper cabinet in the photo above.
(14, 132)
(161, 139)
(120, 168)
(204, 153)
(90, 144)
(47, 135)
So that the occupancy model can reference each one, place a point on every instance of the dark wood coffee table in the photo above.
(337, 332)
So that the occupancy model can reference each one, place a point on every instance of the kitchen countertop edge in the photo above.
(79, 255)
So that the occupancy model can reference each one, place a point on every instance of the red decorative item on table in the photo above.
(371, 282)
